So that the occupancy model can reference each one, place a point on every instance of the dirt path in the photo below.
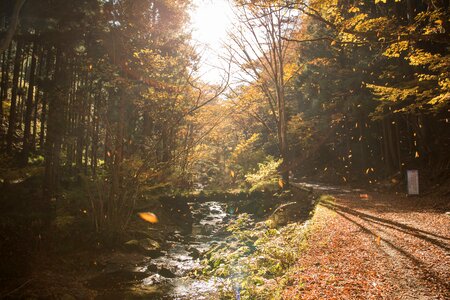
(384, 247)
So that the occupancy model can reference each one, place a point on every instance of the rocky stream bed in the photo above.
(167, 268)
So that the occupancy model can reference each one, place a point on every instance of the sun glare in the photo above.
(211, 19)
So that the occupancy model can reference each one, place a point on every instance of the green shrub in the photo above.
(266, 177)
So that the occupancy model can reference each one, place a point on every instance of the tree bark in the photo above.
(410, 7)
(21, 92)
(56, 127)
(48, 67)
(37, 99)
(4, 85)
(29, 108)
(13, 107)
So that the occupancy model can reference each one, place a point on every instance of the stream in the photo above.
(167, 276)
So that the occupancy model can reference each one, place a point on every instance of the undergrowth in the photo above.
(256, 259)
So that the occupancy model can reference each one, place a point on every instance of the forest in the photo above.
(118, 151)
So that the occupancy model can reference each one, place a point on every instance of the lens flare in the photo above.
(149, 217)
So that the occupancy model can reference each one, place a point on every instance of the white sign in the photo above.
(413, 182)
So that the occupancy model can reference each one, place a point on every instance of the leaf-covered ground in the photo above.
(383, 247)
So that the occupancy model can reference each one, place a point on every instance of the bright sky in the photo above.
(211, 19)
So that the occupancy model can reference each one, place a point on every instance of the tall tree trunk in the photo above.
(48, 67)
(398, 147)
(55, 126)
(282, 120)
(4, 95)
(81, 126)
(72, 117)
(4, 84)
(37, 99)
(116, 191)
(411, 10)
(392, 160)
(13, 107)
(29, 108)
(283, 141)
(21, 94)
(89, 124)
(95, 135)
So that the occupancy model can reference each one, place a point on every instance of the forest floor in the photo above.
(383, 246)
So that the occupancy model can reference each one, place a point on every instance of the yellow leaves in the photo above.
(353, 9)
(321, 62)
(396, 49)
(372, 24)
(384, 1)
(444, 82)
(435, 27)
(289, 71)
(281, 183)
(346, 37)
(149, 217)
(266, 177)
(440, 99)
(392, 94)
(232, 174)
(427, 77)
(438, 22)
(245, 146)
(420, 57)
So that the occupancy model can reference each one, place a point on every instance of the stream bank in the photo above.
(167, 260)
(198, 227)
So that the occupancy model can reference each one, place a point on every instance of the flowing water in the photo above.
(168, 276)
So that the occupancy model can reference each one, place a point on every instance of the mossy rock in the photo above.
(144, 246)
